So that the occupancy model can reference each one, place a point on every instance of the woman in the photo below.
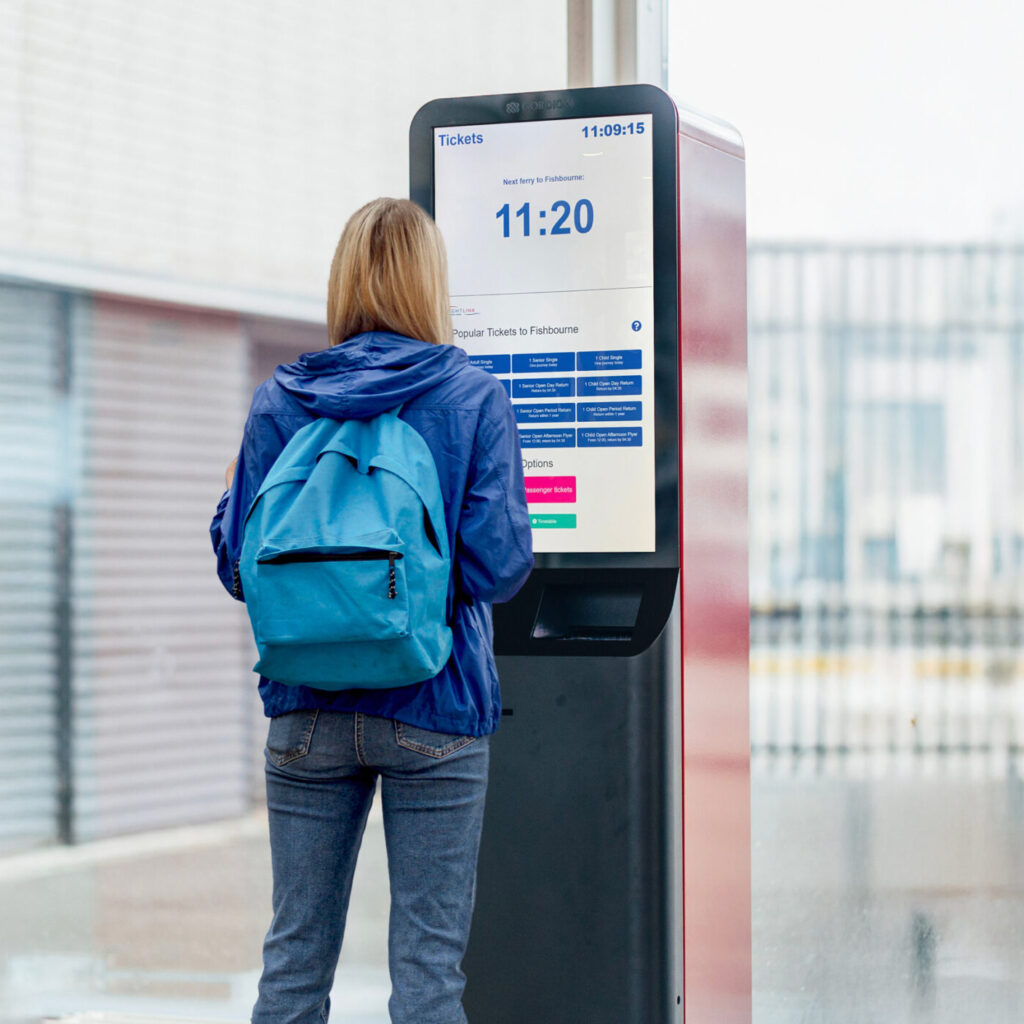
(389, 329)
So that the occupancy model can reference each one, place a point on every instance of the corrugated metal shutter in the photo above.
(163, 699)
(31, 450)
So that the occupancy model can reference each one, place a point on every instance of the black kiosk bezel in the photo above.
(606, 603)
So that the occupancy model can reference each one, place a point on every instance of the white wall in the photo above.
(225, 141)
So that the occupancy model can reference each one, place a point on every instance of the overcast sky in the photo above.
(880, 119)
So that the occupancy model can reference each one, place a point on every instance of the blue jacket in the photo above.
(466, 419)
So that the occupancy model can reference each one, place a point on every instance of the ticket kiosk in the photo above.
(597, 260)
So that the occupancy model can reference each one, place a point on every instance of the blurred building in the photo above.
(887, 510)
(173, 178)
(887, 436)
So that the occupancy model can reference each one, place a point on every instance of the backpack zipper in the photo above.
(392, 592)
(288, 557)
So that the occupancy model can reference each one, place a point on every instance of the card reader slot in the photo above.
(591, 613)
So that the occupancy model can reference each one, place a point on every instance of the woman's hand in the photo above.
(229, 473)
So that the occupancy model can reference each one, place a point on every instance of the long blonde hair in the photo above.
(389, 273)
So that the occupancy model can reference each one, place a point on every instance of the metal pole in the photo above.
(581, 44)
(617, 42)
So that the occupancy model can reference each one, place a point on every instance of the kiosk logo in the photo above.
(512, 107)
(551, 104)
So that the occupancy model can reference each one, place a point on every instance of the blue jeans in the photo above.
(322, 768)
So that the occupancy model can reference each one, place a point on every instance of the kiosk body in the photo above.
(614, 879)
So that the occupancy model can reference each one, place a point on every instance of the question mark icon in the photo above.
(636, 325)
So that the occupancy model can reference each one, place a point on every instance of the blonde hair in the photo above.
(389, 273)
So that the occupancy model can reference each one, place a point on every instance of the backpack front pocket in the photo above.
(331, 594)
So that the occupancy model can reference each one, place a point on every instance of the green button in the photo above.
(554, 522)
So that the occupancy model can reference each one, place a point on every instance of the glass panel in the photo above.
(887, 684)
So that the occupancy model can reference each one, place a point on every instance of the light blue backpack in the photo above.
(344, 563)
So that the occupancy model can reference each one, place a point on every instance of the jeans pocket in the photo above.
(432, 744)
(289, 736)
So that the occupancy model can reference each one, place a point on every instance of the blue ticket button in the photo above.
(507, 385)
(610, 437)
(492, 364)
(544, 387)
(547, 438)
(543, 362)
(588, 412)
(588, 386)
(617, 359)
(546, 412)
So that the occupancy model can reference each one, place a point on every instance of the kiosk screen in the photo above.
(549, 229)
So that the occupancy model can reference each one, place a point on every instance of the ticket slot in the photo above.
(569, 612)
(587, 613)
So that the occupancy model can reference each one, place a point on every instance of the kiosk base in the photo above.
(578, 887)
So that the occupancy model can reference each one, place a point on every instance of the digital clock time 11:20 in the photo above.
(582, 214)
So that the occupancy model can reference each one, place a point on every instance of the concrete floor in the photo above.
(880, 895)
(169, 925)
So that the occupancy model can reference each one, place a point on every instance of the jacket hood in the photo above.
(368, 374)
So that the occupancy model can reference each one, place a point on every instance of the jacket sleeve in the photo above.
(494, 546)
(225, 564)
(263, 440)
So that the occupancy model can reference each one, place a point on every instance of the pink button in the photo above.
(551, 488)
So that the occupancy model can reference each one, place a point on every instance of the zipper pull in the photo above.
(392, 592)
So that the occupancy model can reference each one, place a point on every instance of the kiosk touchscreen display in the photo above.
(549, 229)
